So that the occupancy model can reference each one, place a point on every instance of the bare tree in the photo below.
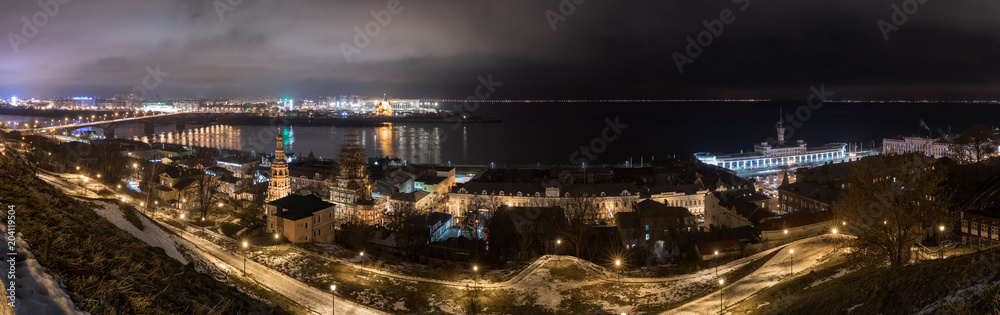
(889, 203)
(583, 213)
(977, 143)
(477, 212)
(248, 201)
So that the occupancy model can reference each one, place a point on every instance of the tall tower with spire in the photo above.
(781, 128)
(279, 186)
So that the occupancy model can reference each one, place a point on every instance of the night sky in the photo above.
(436, 49)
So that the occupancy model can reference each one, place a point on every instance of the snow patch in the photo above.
(151, 234)
(36, 291)
(851, 309)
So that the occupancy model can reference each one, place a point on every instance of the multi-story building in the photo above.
(301, 219)
(655, 226)
(935, 148)
(239, 165)
(980, 226)
(691, 197)
(612, 197)
(736, 208)
(770, 157)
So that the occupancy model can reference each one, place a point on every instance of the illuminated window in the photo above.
(647, 237)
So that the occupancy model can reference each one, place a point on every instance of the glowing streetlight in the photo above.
(790, 252)
(333, 289)
(182, 215)
(834, 231)
(244, 258)
(618, 273)
(275, 235)
(475, 271)
(940, 243)
(362, 254)
(717, 263)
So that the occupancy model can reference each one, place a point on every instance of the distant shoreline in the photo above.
(257, 120)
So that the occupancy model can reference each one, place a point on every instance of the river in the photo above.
(553, 133)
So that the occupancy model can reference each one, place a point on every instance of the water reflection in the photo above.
(415, 144)
(218, 136)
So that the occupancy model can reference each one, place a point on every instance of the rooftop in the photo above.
(296, 207)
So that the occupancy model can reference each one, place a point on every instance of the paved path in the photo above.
(807, 255)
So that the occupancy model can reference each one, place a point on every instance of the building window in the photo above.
(647, 227)
(307, 225)
(647, 237)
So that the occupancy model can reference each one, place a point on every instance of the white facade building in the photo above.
(930, 147)
(767, 157)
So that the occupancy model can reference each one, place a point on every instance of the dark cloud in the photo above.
(774, 49)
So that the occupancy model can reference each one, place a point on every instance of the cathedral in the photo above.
(384, 108)
(352, 191)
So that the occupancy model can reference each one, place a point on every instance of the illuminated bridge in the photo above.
(180, 120)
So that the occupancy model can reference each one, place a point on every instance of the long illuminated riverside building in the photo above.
(767, 158)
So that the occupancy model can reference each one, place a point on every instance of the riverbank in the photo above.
(294, 119)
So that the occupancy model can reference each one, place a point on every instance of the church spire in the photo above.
(279, 185)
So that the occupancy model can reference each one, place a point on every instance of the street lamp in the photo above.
(362, 254)
(790, 252)
(333, 289)
(716, 263)
(940, 243)
(475, 271)
(244, 258)
(618, 272)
